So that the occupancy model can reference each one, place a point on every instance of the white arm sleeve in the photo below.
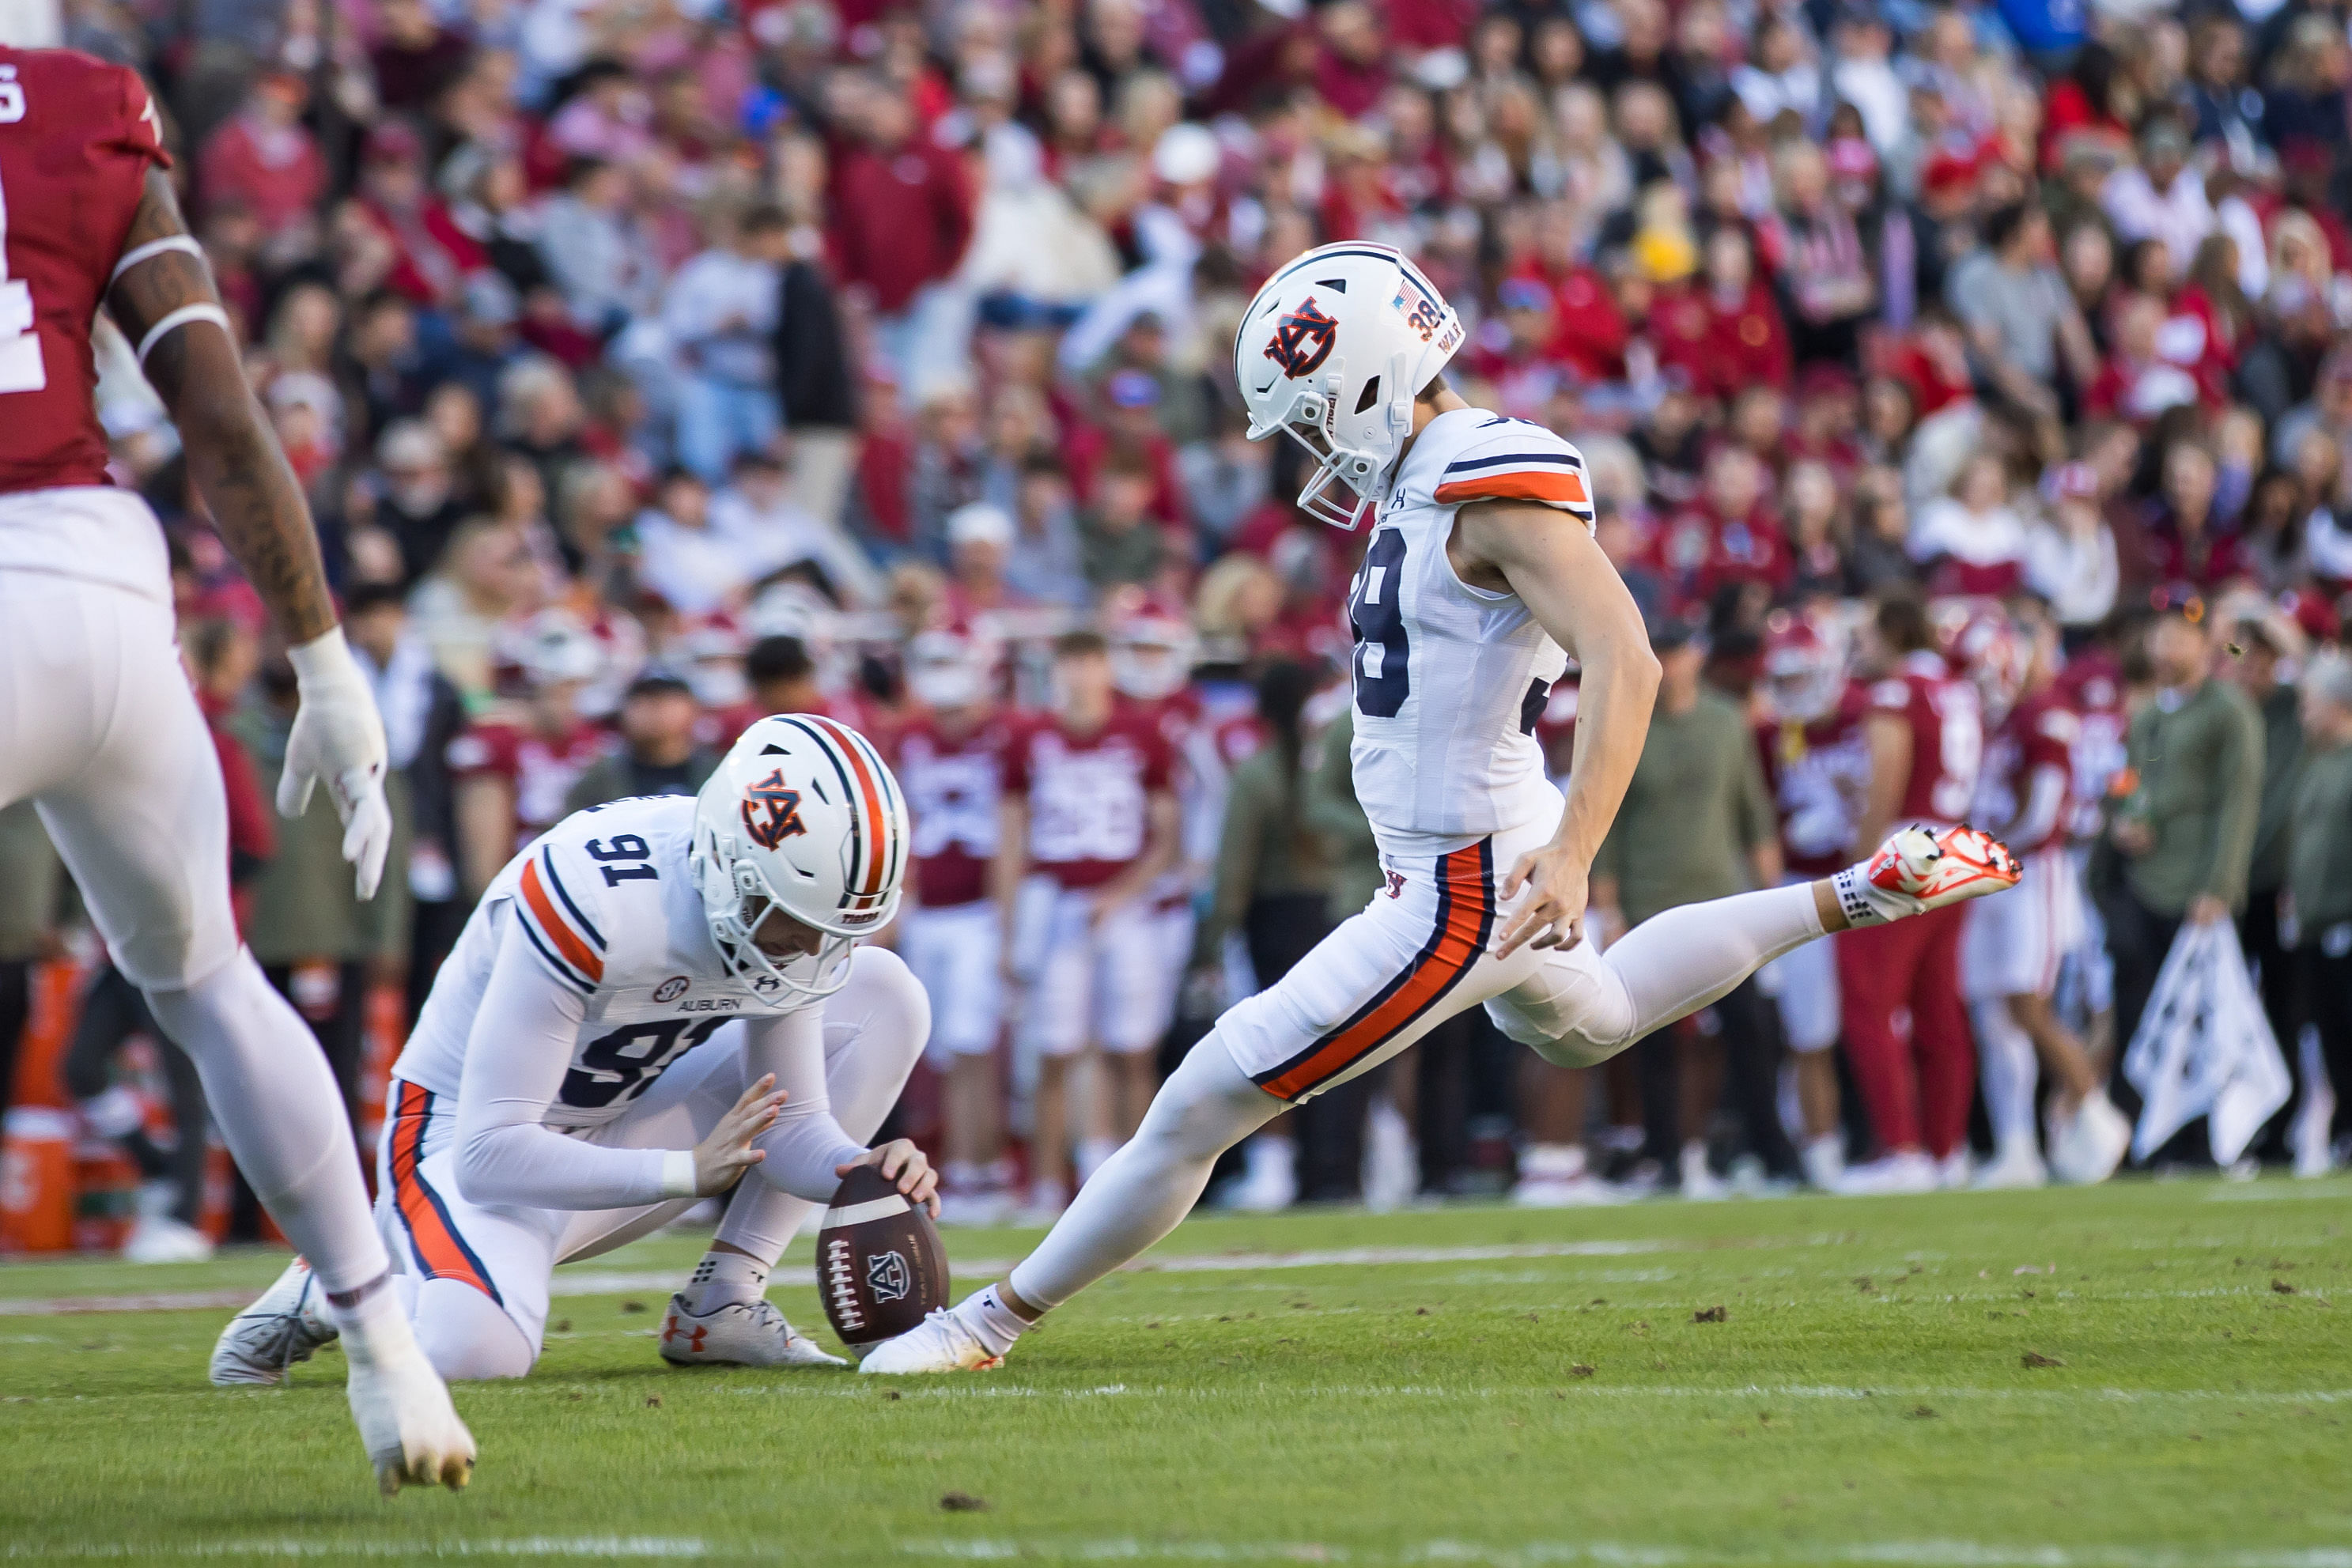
(806, 1142)
(2039, 816)
(516, 1056)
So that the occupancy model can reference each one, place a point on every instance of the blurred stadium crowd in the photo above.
(654, 364)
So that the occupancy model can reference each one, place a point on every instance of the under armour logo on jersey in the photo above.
(1302, 339)
(771, 811)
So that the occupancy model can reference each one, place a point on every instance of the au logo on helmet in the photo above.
(771, 811)
(1302, 339)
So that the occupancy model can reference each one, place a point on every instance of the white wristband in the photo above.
(677, 1173)
(325, 660)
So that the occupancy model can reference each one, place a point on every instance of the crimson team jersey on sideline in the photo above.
(76, 137)
(2093, 687)
(953, 785)
(1089, 795)
(1819, 774)
(2039, 733)
(1947, 725)
(539, 771)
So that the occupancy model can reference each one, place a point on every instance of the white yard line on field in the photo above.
(614, 1282)
(295, 1546)
(1626, 1554)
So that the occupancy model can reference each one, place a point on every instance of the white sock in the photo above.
(282, 1116)
(1206, 1107)
(2005, 1057)
(992, 1323)
(374, 1320)
(724, 1278)
(1551, 1162)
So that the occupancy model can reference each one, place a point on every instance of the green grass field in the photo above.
(1459, 1386)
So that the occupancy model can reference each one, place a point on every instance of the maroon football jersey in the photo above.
(1947, 726)
(2039, 733)
(1819, 774)
(539, 771)
(76, 137)
(2093, 686)
(954, 785)
(1089, 795)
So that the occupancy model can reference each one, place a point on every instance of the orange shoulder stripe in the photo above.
(1559, 487)
(576, 953)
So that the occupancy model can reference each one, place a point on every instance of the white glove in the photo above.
(339, 737)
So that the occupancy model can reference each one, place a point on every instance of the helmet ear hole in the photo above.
(1371, 394)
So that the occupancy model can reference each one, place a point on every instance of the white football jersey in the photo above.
(1450, 679)
(605, 902)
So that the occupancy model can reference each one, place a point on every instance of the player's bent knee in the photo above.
(1208, 1104)
(898, 1008)
(467, 1336)
(1575, 1050)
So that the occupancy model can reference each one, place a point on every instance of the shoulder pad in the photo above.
(1515, 461)
(559, 912)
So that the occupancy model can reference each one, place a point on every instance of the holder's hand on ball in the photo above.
(904, 1164)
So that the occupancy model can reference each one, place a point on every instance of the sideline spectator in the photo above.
(2319, 880)
(2185, 824)
(1697, 823)
(658, 754)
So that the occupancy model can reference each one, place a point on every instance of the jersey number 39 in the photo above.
(1383, 652)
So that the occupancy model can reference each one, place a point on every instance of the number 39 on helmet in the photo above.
(1333, 351)
(802, 818)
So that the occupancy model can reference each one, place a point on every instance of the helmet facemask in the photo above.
(737, 901)
(1347, 480)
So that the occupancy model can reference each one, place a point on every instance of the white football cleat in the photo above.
(1824, 1160)
(287, 1325)
(940, 1344)
(2088, 1146)
(1699, 1182)
(1915, 871)
(2015, 1166)
(160, 1239)
(1913, 1171)
(737, 1333)
(402, 1407)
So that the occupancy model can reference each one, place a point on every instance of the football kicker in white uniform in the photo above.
(1480, 579)
(655, 998)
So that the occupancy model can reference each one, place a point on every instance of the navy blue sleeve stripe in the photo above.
(1557, 459)
(547, 864)
(563, 970)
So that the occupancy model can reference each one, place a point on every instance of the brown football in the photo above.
(880, 1264)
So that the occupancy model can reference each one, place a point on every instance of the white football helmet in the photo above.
(1151, 652)
(552, 648)
(947, 669)
(804, 817)
(1333, 351)
(1805, 667)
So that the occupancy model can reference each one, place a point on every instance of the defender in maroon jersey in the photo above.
(2011, 953)
(1090, 808)
(1818, 768)
(951, 760)
(99, 727)
(1924, 732)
